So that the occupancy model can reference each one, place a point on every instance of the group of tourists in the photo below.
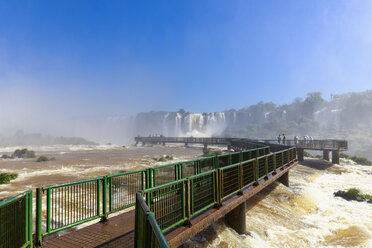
(308, 139)
(281, 138)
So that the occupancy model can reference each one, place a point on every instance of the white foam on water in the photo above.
(304, 215)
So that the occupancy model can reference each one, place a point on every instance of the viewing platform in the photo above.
(171, 202)
(327, 146)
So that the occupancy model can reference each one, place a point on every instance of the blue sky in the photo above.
(123, 57)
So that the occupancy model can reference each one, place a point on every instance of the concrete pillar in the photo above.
(205, 145)
(336, 157)
(326, 155)
(186, 144)
(143, 143)
(163, 143)
(300, 154)
(284, 179)
(229, 147)
(236, 219)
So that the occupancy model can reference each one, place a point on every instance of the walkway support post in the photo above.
(229, 147)
(39, 237)
(326, 155)
(284, 179)
(236, 219)
(300, 154)
(336, 157)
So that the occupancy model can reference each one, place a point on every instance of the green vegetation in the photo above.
(45, 159)
(20, 153)
(163, 158)
(308, 155)
(7, 177)
(354, 192)
(356, 159)
(6, 156)
(346, 116)
(207, 152)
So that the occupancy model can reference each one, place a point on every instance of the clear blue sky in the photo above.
(122, 57)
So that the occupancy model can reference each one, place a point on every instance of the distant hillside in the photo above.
(22, 139)
(346, 116)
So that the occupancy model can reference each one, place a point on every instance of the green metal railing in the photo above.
(74, 203)
(166, 190)
(16, 221)
(202, 192)
(68, 205)
(123, 188)
(177, 202)
(167, 202)
(147, 231)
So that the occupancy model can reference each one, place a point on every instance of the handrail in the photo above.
(147, 231)
(185, 198)
(70, 204)
(64, 202)
(16, 221)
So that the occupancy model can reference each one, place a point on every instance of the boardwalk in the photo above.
(179, 199)
(117, 232)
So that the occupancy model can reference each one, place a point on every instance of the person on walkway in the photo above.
(296, 139)
(279, 138)
(284, 139)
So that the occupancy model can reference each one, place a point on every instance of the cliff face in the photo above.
(346, 116)
(182, 123)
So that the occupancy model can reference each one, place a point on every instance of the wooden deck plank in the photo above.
(117, 232)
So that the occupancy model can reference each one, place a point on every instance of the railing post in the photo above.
(98, 202)
(39, 237)
(104, 200)
(27, 219)
(240, 179)
(218, 187)
(274, 163)
(188, 203)
(48, 211)
(267, 166)
(255, 166)
(110, 191)
(30, 219)
(282, 160)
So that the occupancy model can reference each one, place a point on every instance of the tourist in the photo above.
(279, 138)
(296, 140)
(284, 139)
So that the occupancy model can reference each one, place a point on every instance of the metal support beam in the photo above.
(300, 154)
(336, 157)
(236, 219)
(326, 155)
(284, 179)
(229, 147)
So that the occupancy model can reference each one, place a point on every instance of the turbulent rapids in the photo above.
(304, 215)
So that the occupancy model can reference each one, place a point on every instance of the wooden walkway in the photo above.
(117, 232)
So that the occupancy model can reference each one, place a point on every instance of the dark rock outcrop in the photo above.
(351, 197)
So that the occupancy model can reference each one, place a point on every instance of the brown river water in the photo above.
(306, 214)
(82, 162)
